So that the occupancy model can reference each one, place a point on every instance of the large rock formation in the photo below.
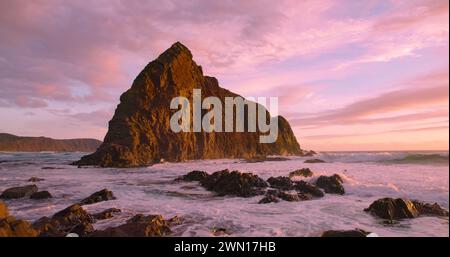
(13, 143)
(139, 133)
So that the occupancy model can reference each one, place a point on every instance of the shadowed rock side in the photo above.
(139, 133)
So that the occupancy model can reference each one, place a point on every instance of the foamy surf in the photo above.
(151, 190)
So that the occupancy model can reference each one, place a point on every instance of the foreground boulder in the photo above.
(139, 133)
(305, 172)
(345, 233)
(102, 195)
(308, 188)
(19, 192)
(234, 183)
(283, 183)
(430, 209)
(40, 195)
(11, 227)
(138, 226)
(394, 209)
(331, 184)
(73, 219)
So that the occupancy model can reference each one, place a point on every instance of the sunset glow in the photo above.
(350, 75)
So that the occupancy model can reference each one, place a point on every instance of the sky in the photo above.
(350, 75)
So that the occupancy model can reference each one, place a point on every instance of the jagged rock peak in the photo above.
(139, 133)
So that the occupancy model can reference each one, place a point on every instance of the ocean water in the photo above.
(151, 190)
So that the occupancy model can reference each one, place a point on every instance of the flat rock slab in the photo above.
(19, 192)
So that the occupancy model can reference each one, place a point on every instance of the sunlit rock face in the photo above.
(139, 133)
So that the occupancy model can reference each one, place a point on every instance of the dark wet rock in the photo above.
(12, 227)
(308, 188)
(175, 220)
(345, 233)
(430, 209)
(102, 195)
(269, 199)
(315, 161)
(141, 218)
(73, 219)
(273, 196)
(19, 192)
(35, 179)
(283, 183)
(73, 214)
(41, 195)
(256, 159)
(305, 172)
(304, 196)
(47, 227)
(220, 232)
(106, 214)
(83, 229)
(51, 168)
(138, 226)
(389, 208)
(195, 175)
(234, 183)
(331, 184)
(288, 196)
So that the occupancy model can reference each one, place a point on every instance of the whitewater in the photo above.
(368, 176)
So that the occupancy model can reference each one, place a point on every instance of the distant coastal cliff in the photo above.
(139, 133)
(13, 143)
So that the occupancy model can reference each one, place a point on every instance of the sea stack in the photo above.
(139, 133)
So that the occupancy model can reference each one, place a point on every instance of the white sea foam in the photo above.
(151, 190)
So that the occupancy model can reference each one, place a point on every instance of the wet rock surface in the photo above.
(275, 195)
(308, 188)
(12, 227)
(389, 208)
(19, 192)
(234, 183)
(138, 226)
(430, 209)
(345, 233)
(315, 161)
(305, 172)
(106, 214)
(395, 209)
(283, 183)
(41, 195)
(73, 219)
(102, 195)
(331, 184)
(195, 175)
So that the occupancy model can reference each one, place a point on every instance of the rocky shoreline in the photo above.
(290, 188)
